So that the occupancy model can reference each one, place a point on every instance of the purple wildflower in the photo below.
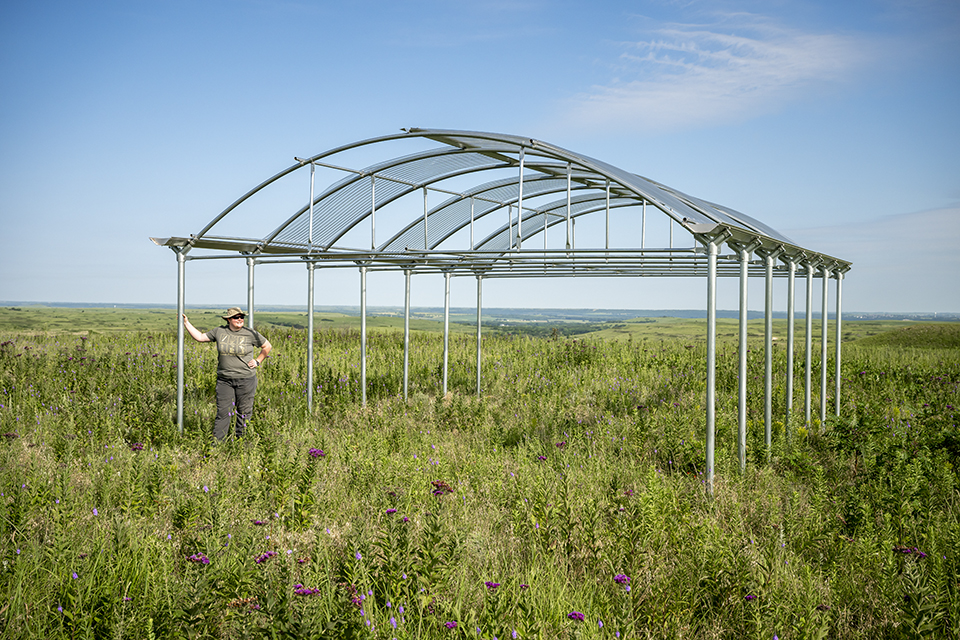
(199, 558)
(492, 586)
(621, 579)
(265, 556)
(450, 625)
(317, 453)
(576, 615)
(391, 511)
(750, 597)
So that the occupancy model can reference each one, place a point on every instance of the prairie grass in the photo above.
(567, 501)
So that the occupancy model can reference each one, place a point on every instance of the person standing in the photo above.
(236, 369)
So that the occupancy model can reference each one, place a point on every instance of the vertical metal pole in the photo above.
(768, 355)
(373, 212)
(313, 169)
(510, 226)
(479, 307)
(823, 351)
(742, 399)
(711, 358)
(791, 294)
(406, 332)
(836, 396)
(250, 263)
(446, 328)
(472, 201)
(181, 282)
(608, 215)
(808, 328)
(520, 205)
(671, 233)
(569, 187)
(643, 226)
(311, 267)
(363, 334)
(426, 244)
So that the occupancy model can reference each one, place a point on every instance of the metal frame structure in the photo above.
(537, 188)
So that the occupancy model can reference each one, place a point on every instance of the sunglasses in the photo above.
(239, 317)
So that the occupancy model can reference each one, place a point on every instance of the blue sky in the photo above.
(834, 122)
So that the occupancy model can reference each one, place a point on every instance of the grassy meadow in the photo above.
(567, 501)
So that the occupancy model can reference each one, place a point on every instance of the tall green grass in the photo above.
(567, 501)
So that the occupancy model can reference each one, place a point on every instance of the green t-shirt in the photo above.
(236, 351)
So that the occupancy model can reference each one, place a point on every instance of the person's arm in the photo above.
(194, 332)
(264, 354)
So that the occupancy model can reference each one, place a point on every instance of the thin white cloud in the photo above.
(905, 262)
(693, 75)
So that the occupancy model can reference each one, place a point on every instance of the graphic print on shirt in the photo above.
(233, 345)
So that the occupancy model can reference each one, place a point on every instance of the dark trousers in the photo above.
(234, 397)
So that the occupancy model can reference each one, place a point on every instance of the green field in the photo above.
(567, 501)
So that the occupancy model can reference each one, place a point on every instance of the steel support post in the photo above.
(823, 350)
(791, 293)
(373, 212)
(446, 328)
(808, 350)
(181, 281)
(311, 267)
(768, 354)
(479, 307)
(742, 375)
(712, 250)
(520, 205)
(363, 335)
(569, 189)
(250, 263)
(836, 395)
(406, 333)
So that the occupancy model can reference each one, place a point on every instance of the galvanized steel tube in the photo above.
(742, 374)
(479, 306)
(768, 354)
(836, 399)
(406, 332)
(181, 282)
(363, 334)
(250, 263)
(808, 351)
(311, 267)
(823, 350)
(791, 293)
(446, 328)
(711, 358)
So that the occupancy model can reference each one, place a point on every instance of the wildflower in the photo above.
(358, 556)
(393, 622)
(75, 576)
(206, 489)
(440, 488)
(450, 625)
(492, 586)
(136, 446)
(621, 579)
(264, 557)
(391, 511)
(750, 597)
(561, 445)
(199, 558)
(576, 615)
(541, 458)
(95, 511)
(317, 453)
(258, 523)
(524, 587)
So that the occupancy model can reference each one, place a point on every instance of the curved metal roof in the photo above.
(545, 186)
